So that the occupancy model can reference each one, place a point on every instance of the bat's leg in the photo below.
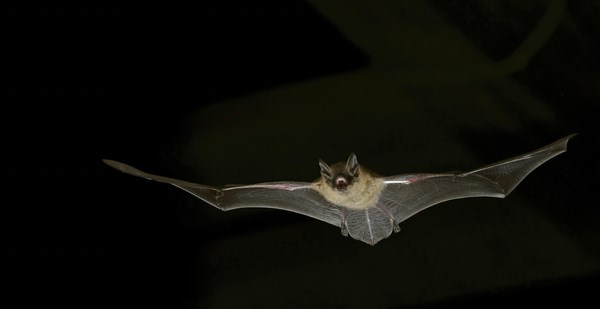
(343, 223)
(396, 226)
(218, 197)
(389, 213)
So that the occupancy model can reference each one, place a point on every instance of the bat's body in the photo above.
(363, 204)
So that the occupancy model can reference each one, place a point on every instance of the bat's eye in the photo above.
(341, 183)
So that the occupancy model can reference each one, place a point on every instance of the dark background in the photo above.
(250, 91)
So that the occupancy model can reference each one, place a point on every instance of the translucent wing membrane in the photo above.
(406, 195)
(298, 197)
(205, 193)
(369, 225)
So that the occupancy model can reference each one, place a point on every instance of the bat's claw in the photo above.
(396, 227)
(343, 222)
(344, 229)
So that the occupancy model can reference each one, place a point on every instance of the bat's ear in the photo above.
(352, 165)
(326, 171)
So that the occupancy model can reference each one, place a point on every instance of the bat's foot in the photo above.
(396, 227)
(344, 229)
(343, 223)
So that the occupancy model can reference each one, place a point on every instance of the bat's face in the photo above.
(340, 176)
(347, 185)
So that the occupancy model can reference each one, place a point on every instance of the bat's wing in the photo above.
(406, 195)
(298, 197)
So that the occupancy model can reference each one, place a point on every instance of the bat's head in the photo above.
(340, 176)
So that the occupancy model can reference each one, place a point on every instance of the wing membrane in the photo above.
(406, 195)
(298, 197)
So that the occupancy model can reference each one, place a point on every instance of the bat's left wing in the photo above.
(298, 197)
(406, 195)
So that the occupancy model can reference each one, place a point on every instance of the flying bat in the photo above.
(365, 205)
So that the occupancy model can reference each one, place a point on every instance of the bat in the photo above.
(365, 205)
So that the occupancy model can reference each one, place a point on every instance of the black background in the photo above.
(87, 80)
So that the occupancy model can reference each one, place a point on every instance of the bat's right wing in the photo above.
(298, 197)
(406, 195)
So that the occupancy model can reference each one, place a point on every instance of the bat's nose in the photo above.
(341, 183)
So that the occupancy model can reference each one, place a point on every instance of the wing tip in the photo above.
(561, 144)
(116, 165)
(555, 148)
(128, 169)
(568, 138)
